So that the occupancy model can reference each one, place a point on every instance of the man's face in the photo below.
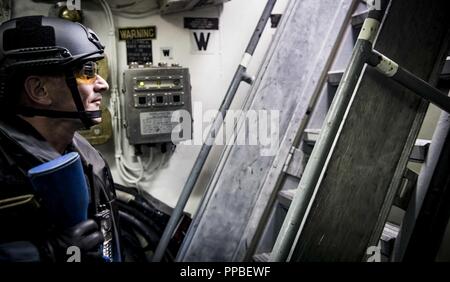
(90, 90)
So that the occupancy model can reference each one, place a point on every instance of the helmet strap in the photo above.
(72, 83)
(31, 112)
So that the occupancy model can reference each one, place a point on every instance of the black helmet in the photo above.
(46, 44)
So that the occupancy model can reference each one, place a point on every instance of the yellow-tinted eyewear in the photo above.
(87, 74)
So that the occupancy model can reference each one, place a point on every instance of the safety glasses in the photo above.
(87, 74)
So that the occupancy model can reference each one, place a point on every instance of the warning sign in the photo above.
(201, 23)
(204, 42)
(147, 32)
(140, 51)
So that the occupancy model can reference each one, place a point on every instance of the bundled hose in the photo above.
(129, 174)
(143, 220)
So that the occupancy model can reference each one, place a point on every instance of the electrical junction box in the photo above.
(174, 6)
(152, 95)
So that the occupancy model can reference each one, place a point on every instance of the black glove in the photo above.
(85, 235)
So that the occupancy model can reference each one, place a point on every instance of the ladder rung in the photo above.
(311, 135)
(309, 139)
(358, 19)
(390, 231)
(334, 77)
(264, 257)
(296, 164)
(420, 150)
(285, 197)
(405, 191)
(446, 69)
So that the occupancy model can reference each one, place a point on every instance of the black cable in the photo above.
(159, 219)
(143, 231)
(144, 215)
(147, 222)
(144, 197)
(152, 220)
(135, 223)
(142, 205)
(133, 251)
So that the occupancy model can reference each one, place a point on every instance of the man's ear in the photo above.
(35, 90)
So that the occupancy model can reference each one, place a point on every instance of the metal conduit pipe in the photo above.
(392, 70)
(239, 75)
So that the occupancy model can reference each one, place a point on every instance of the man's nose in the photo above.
(100, 84)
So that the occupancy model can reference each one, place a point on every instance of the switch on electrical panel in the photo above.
(152, 95)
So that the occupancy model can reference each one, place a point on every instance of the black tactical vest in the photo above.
(22, 215)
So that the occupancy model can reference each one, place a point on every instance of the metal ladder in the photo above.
(349, 184)
(247, 229)
(295, 164)
(245, 184)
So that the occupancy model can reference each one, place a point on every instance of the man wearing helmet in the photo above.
(49, 88)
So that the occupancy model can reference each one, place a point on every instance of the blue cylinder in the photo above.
(62, 186)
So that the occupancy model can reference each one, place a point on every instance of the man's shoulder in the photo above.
(87, 151)
(80, 141)
(15, 125)
(25, 139)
